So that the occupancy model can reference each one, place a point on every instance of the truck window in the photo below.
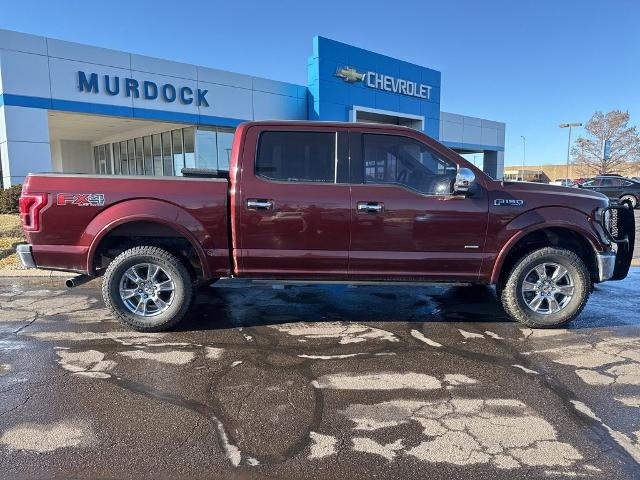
(393, 159)
(297, 156)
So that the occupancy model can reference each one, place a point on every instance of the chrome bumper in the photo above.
(606, 265)
(26, 256)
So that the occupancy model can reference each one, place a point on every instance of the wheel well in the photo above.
(551, 237)
(135, 234)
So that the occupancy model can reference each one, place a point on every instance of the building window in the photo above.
(166, 153)
(167, 162)
(224, 142)
(124, 164)
(102, 159)
(189, 147)
(139, 156)
(116, 158)
(148, 159)
(107, 159)
(178, 157)
(131, 157)
(157, 154)
(206, 149)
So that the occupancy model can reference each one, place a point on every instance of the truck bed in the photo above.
(81, 210)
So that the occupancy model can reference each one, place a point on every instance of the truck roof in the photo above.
(318, 123)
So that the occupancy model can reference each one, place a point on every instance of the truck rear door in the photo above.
(293, 204)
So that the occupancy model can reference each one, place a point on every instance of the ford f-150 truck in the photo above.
(329, 202)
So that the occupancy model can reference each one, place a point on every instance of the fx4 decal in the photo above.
(81, 199)
(508, 202)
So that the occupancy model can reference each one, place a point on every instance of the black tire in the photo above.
(630, 200)
(181, 298)
(512, 292)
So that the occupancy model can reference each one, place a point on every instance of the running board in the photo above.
(378, 283)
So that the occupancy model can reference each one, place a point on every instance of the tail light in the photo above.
(30, 205)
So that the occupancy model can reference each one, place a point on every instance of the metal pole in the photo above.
(570, 125)
(568, 150)
(524, 154)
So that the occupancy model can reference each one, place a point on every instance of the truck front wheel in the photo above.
(147, 288)
(546, 288)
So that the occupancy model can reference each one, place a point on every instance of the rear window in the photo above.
(297, 156)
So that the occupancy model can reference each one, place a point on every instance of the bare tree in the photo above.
(624, 145)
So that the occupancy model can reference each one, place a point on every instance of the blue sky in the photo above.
(531, 64)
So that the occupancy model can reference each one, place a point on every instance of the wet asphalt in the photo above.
(318, 382)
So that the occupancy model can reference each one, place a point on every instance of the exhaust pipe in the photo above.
(78, 280)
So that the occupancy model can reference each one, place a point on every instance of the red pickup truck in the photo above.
(331, 202)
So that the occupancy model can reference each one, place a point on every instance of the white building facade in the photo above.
(73, 108)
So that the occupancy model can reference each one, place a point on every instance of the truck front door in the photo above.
(294, 203)
(406, 222)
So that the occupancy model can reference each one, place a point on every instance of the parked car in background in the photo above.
(616, 187)
(563, 182)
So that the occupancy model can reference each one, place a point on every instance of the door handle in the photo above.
(370, 207)
(255, 204)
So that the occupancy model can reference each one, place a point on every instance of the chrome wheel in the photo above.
(547, 288)
(147, 289)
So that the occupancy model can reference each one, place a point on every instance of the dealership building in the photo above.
(74, 108)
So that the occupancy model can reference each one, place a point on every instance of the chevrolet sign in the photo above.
(385, 82)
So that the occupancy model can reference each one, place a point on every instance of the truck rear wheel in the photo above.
(147, 289)
(546, 288)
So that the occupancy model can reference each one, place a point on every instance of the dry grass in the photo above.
(10, 235)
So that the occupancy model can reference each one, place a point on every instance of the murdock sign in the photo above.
(147, 90)
(385, 82)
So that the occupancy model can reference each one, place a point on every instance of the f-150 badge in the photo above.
(81, 199)
(508, 202)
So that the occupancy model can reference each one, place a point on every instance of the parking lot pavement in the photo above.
(318, 382)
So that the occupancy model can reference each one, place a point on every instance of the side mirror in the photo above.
(465, 180)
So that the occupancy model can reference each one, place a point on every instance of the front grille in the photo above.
(619, 222)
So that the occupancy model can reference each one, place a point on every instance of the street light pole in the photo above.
(565, 125)
(524, 154)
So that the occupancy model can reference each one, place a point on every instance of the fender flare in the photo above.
(520, 232)
(156, 211)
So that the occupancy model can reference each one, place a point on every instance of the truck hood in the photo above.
(528, 196)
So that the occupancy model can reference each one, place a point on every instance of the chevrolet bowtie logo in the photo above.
(349, 74)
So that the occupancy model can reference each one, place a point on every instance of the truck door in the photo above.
(406, 222)
(294, 203)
